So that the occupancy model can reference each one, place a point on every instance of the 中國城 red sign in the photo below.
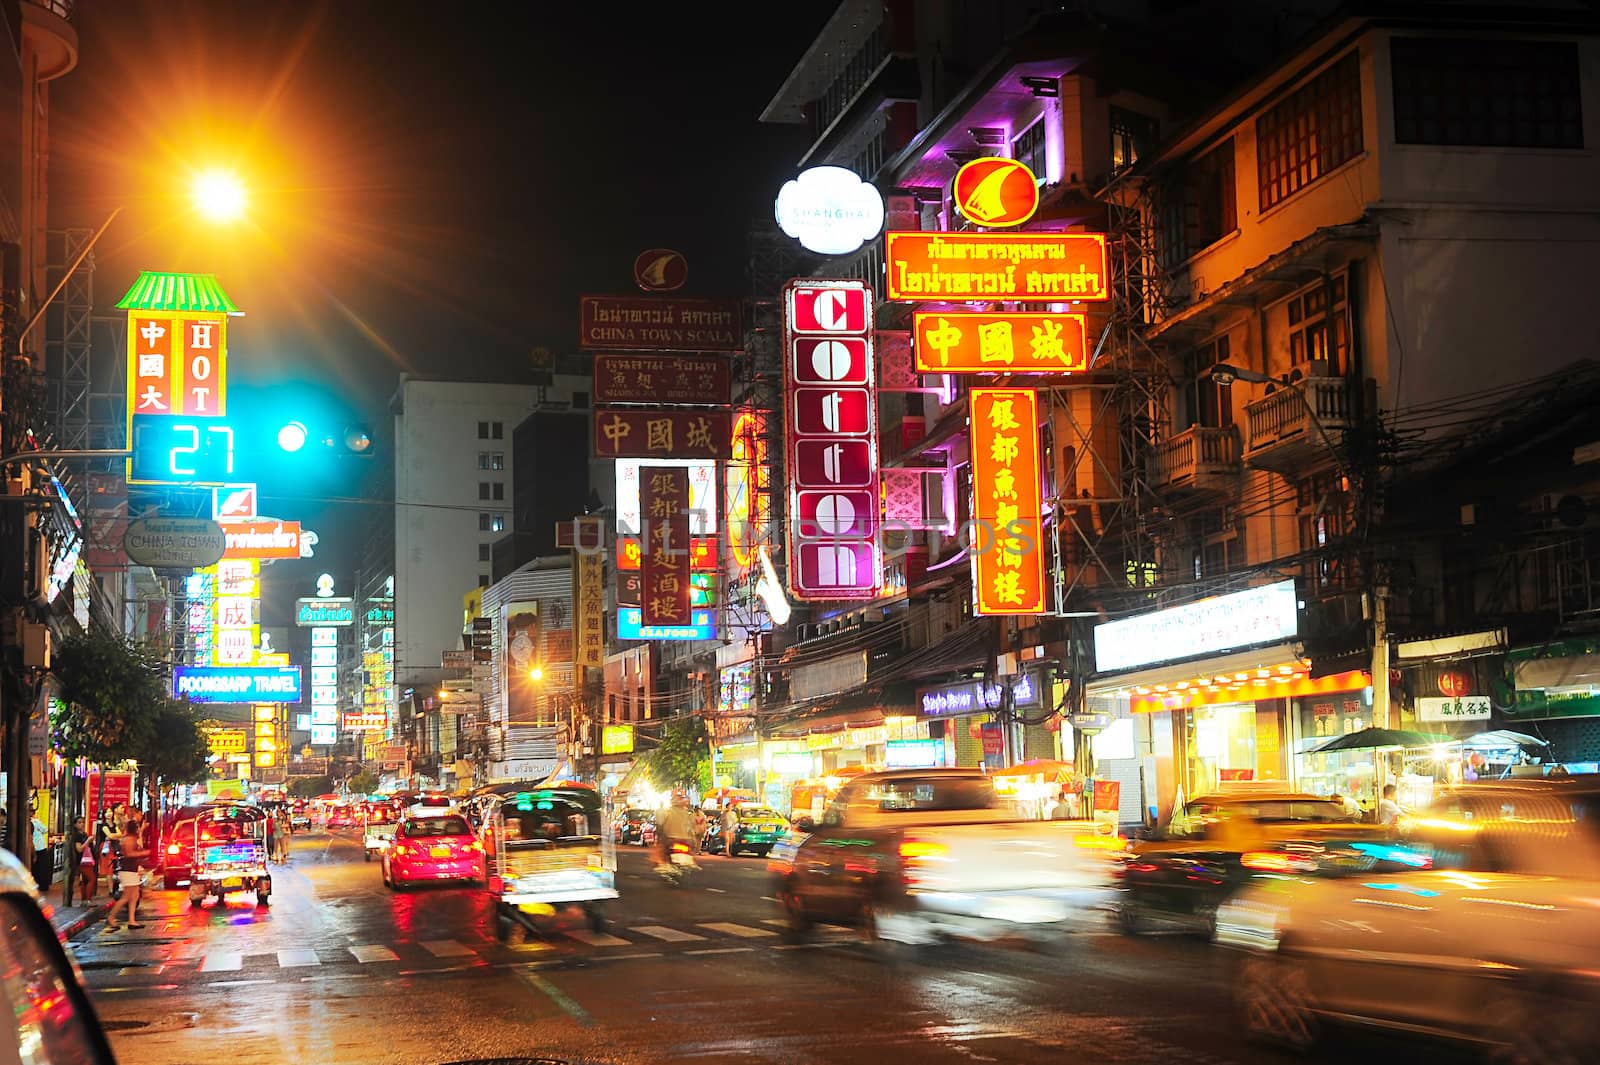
(830, 427)
(659, 323)
(1033, 267)
(697, 379)
(987, 342)
(661, 434)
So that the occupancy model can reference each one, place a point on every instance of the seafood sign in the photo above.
(1040, 267)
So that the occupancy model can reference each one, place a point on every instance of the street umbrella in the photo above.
(1499, 739)
(1377, 738)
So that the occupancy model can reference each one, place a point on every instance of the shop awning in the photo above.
(1565, 671)
(1269, 657)
(1455, 645)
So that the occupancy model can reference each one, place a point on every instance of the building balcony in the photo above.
(1298, 426)
(1199, 460)
(47, 28)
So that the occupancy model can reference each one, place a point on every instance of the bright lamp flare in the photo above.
(536, 673)
(292, 437)
(219, 195)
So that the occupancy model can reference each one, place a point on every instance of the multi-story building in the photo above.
(454, 478)
(1359, 288)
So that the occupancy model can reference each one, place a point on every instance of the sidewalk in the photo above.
(70, 920)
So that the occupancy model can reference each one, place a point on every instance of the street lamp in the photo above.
(218, 195)
(535, 673)
(1226, 374)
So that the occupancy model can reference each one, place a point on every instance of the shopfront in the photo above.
(964, 716)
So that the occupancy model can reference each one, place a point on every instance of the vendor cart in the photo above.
(549, 850)
(230, 854)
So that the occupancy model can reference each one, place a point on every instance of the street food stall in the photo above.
(1033, 786)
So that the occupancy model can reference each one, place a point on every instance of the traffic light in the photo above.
(353, 440)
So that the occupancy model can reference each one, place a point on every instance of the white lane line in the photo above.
(232, 983)
(625, 957)
(776, 922)
(335, 976)
(723, 950)
(371, 952)
(717, 890)
(222, 961)
(728, 928)
(598, 939)
(671, 935)
(294, 959)
(445, 948)
(768, 898)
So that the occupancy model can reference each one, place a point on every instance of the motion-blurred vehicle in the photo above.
(230, 854)
(551, 851)
(431, 849)
(431, 806)
(912, 854)
(41, 989)
(1215, 844)
(1489, 937)
(300, 816)
(759, 828)
(679, 866)
(341, 816)
(379, 822)
(636, 826)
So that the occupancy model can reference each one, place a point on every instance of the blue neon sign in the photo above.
(237, 684)
(630, 626)
(179, 449)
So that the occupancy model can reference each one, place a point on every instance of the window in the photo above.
(483, 552)
(1208, 403)
(1197, 205)
(1492, 94)
(496, 430)
(1319, 326)
(497, 460)
(1028, 148)
(497, 490)
(483, 489)
(580, 400)
(1216, 546)
(483, 522)
(497, 523)
(1326, 516)
(1312, 131)
(1132, 135)
(483, 460)
(483, 580)
(483, 430)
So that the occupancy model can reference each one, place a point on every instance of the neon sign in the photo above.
(180, 450)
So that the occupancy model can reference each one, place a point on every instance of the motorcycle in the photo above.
(680, 864)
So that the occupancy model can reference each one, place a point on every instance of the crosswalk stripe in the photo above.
(445, 948)
(294, 959)
(776, 922)
(223, 961)
(532, 946)
(671, 935)
(740, 930)
(597, 939)
(370, 952)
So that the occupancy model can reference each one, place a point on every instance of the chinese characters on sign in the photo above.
(1007, 560)
(830, 427)
(665, 563)
(589, 603)
(1036, 267)
(645, 323)
(177, 364)
(696, 379)
(661, 434)
(969, 342)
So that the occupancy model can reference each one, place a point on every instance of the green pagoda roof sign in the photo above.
(193, 293)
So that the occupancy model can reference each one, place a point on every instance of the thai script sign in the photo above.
(1038, 267)
(700, 379)
(324, 611)
(262, 539)
(1266, 614)
(963, 342)
(645, 323)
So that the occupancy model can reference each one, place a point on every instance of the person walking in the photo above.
(81, 860)
(44, 857)
(129, 876)
(272, 837)
(730, 828)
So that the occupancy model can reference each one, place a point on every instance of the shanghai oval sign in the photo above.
(174, 543)
(995, 192)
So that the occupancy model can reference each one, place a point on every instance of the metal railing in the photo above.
(1196, 451)
(1288, 412)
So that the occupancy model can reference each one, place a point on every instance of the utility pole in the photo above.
(1380, 657)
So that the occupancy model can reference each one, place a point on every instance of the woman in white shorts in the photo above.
(129, 876)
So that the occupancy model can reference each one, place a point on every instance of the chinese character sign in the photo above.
(969, 342)
(693, 379)
(664, 566)
(830, 427)
(1007, 556)
(177, 364)
(589, 602)
(661, 434)
(1036, 267)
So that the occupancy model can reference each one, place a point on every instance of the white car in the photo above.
(1490, 938)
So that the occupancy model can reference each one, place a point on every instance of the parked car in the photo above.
(933, 852)
(433, 848)
(1489, 937)
(636, 826)
(759, 828)
(1214, 844)
(41, 989)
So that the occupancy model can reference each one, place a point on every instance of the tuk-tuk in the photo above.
(230, 854)
(548, 850)
(378, 823)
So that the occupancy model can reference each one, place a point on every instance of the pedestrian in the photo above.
(1062, 810)
(730, 828)
(81, 860)
(1388, 808)
(129, 876)
(44, 857)
(701, 822)
(272, 838)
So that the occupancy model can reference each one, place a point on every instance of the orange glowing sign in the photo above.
(996, 192)
(1281, 682)
(702, 553)
(1007, 554)
(1036, 267)
(974, 342)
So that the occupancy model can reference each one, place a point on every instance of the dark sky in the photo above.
(433, 184)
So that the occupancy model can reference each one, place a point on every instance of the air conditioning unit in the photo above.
(933, 508)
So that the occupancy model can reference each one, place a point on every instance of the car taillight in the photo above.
(680, 848)
(917, 854)
(205, 835)
(173, 848)
(1101, 843)
(1276, 862)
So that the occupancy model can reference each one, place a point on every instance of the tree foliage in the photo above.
(176, 751)
(362, 783)
(310, 787)
(684, 757)
(113, 692)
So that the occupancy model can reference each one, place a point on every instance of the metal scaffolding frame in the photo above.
(69, 343)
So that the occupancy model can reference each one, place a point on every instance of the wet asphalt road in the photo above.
(341, 970)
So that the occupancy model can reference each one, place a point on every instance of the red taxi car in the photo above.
(430, 849)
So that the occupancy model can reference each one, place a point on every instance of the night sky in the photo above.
(432, 185)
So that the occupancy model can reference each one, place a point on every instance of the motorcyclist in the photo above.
(676, 826)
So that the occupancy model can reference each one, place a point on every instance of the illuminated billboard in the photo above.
(702, 494)
(237, 684)
(1007, 555)
(982, 342)
(995, 191)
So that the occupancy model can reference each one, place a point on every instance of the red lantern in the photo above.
(1052, 723)
(1476, 760)
(1454, 683)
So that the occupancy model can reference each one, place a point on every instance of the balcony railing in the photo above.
(1200, 458)
(1298, 424)
(60, 8)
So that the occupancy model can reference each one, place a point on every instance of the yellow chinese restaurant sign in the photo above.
(1032, 267)
(972, 342)
(589, 615)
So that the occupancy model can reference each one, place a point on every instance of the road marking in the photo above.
(740, 930)
(625, 957)
(597, 939)
(776, 922)
(532, 946)
(371, 952)
(445, 948)
(222, 961)
(768, 898)
(335, 976)
(235, 983)
(556, 995)
(723, 950)
(718, 890)
(294, 959)
(671, 935)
